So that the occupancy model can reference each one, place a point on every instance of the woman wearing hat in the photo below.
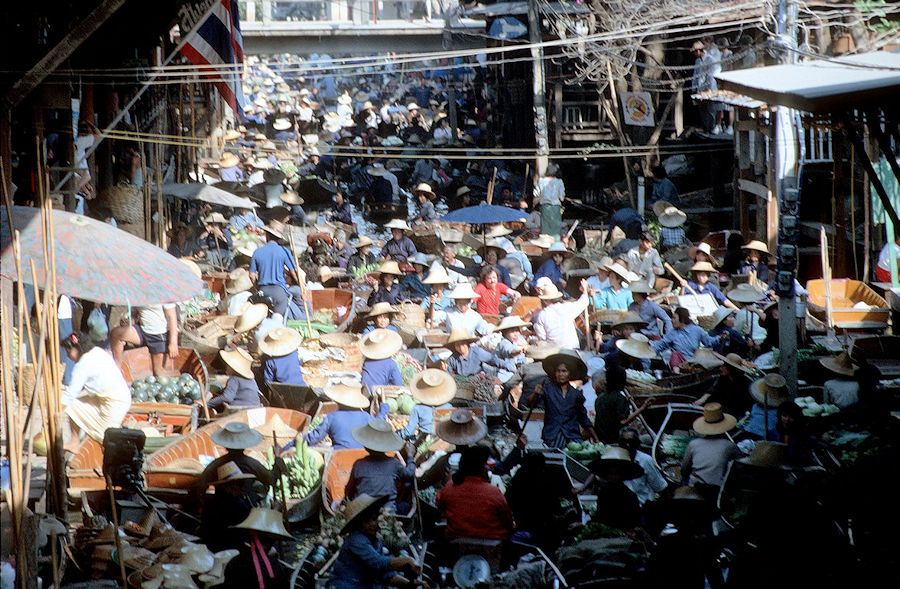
(842, 389)
(706, 458)
(353, 412)
(361, 562)
(230, 168)
(413, 286)
(617, 295)
(340, 210)
(512, 344)
(399, 247)
(235, 437)
(387, 290)
(241, 389)
(622, 329)
(468, 359)
(701, 272)
(432, 389)
(756, 261)
(490, 290)
(649, 311)
(230, 504)
(768, 393)
(671, 233)
(424, 195)
(255, 567)
(380, 316)
(363, 256)
(617, 505)
(379, 474)
(612, 411)
(490, 255)
(280, 360)
(270, 267)
(238, 290)
(552, 266)
(379, 368)
(462, 316)
(555, 323)
(438, 302)
(684, 339)
(723, 320)
(182, 244)
(565, 415)
(732, 388)
(644, 260)
(216, 240)
(749, 316)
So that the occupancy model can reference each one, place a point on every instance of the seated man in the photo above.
(472, 506)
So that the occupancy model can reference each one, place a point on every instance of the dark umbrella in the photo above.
(316, 191)
(485, 213)
(96, 261)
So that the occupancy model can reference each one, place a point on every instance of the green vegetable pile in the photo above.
(428, 495)
(166, 389)
(584, 451)
(303, 470)
(673, 446)
(408, 366)
(466, 251)
(360, 271)
(403, 404)
(594, 530)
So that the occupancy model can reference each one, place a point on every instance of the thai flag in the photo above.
(216, 41)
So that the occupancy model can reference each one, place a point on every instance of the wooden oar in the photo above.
(303, 292)
(687, 286)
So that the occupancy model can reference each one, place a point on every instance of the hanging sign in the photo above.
(638, 109)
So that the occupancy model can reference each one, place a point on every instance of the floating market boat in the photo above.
(672, 439)
(136, 365)
(854, 305)
(208, 334)
(337, 474)
(336, 303)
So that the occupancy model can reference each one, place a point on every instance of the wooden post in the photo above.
(541, 139)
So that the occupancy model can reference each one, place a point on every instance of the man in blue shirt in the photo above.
(648, 311)
(663, 188)
(269, 267)
(701, 272)
(627, 219)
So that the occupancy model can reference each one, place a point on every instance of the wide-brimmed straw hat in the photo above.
(641, 288)
(424, 187)
(703, 267)
(512, 322)
(672, 217)
(745, 293)
(378, 436)
(265, 521)
(433, 387)
(623, 272)
(461, 428)
(464, 290)
(714, 421)
(347, 392)
(239, 360)
(231, 135)
(419, 258)
(637, 346)
(840, 364)
(215, 218)
(616, 461)
(361, 241)
(359, 507)
(229, 473)
(281, 124)
(398, 224)
(274, 231)
(629, 319)
(735, 361)
(437, 275)
(660, 206)
(541, 350)
(229, 160)
(550, 293)
(463, 190)
(721, 314)
(236, 435)
(379, 344)
(381, 309)
(558, 247)
(460, 336)
(770, 390)
(577, 367)
(238, 281)
(376, 169)
(291, 198)
(756, 245)
(706, 358)
(389, 267)
(542, 241)
(492, 246)
(251, 317)
(280, 341)
(498, 231)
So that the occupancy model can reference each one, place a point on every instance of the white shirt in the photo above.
(96, 373)
(884, 257)
(550, 191)
(236, 302)
(305, 114)
(153, 319)
(471, 321)
(652, 482)
(556, 323)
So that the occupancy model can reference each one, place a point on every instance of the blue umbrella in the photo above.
(484, 213)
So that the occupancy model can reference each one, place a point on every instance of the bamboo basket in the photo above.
(125, 202)
(413, 314)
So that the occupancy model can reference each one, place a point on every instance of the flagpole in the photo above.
(121, 115)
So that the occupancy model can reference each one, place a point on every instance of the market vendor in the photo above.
(412, 286)
(156, 328)
(644, 260)
(723, 320)
(749, 316)
(528, 375)
(424, 197)
(340, 210)
(707, 457)
(229, 505)
(438, 303)
(270, 266)
(552, 266)
(535, 484)
(363, 256)
(379, 474)
(235, 437)
(701, 271)
(386, 289)
(432, 389)
(379, 368)
(462, 316)
(512, 344)
(182, 244)
(399, 247)
(216, 241)
(281, 364)
(649, 311)
(617, 505)
(555, 323)
(491, 254)
(241, 389)
(842, 387)
(671, 234)
(340, 249)
(565, 415)
(612, 410)
(472, 506)
(756, 261)
(238, 290)
(381, 316)
(256, 566)
(768, 393)
(732, 388)
(684, 339)
(97, 396)
(352, 412)
(490, 290)
(600, 280)
(468, 359)
(623, 327)
(361, 562)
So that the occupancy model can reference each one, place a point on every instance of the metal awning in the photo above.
(824, 85)
(520, 7)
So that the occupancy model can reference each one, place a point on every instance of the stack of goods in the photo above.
(303, 471)
(399, 409)
(182, 389)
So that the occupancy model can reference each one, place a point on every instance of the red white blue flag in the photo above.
(216, 41)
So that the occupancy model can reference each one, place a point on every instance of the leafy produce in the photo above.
(673, 445)
(391, 532)
(486, 388)
(584, 451)
(405, 403)
(409, 367)
(466, 251)
(594, 530)
(303, 470)
(360, 271)
(182, 389)
(813, 409)
(428, 495)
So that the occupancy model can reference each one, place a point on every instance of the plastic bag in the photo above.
(97, 326)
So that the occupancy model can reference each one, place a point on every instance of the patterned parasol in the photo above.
(96, 261)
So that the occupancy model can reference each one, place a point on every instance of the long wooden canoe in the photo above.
(853, 304)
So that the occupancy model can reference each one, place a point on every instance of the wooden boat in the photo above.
(337, 475)
(136, 365)
(427, 240)
(386, 210)
(853, 304)
(881, 351)
(336, 301)
(652, 417)
(208, 335)
(677, 424)
(179, 465)
(688, 384)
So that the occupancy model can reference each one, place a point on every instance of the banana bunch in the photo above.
(303, 470)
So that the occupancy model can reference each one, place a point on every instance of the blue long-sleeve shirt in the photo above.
(339, 426)
(383, 295)
(563, 416)
(283, 369)
(686, 340)
(361, 564)
(342, 214)
(399, 250)
(549, 269)
(238, 391)
(421, 419)
(761, 269)
(377, 373)
(609, 298)
(755, 424)
(475, 361)
(650, 312)
(411, 287)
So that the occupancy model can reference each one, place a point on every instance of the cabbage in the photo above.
(405, 404)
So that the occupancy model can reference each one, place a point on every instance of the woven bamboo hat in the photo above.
(735, 361)
(623, 272)
(281, 124)
(461, 428)
(380, 344)
(215, 218)
(543, 241)
(265, 521)
(437, 275)
(464, 291)
(550, 293)
(229, 160)
(252, 317)
(558, 247)
(498, 231)
(433, 387)
(714, 421)
(276, 428)
(541, 350)
(280, 341)
(617, 462)
(291, 198)
(236, 435)
(629, 319)
(577, 367)
(672, 217)
(359, 507)
(361, 241)
(745, 293)
(512, 322)
(703, 267)
(721, 314)
(389, 267)
(229, 473)
(239, 360)
(347, 392)
(381, 309)
(232, 134)
(378, 436)
(660, 206)
(637, 346)
(397, 224)
(492, 245)
(756, 245)
(424, 188)
(460, 336)
(840, 364)
(771, 390)
(238, 281)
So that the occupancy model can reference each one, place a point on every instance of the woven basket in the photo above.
(125, 202)
(29, 376)
(706, 321)
(413, 314)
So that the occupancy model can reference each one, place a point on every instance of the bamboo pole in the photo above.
(115, 516)
(162, 226)
(145, 188)
(304, 292)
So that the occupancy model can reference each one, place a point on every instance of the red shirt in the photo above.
(475, 509)
(489, 303)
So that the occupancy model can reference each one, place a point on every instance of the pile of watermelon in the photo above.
(182, 389)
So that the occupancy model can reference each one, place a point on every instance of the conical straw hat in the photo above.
(239, 360)
(265, 521)
(378, 436)
(461, 428)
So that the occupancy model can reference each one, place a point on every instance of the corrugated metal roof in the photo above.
(824, 85)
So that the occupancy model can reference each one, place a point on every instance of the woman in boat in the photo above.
(229, 505)
(616, 295)
(490, 255)
(438, 303)
(340, 210)
(732, 388)
(216, 241)
(399, 247)
(552, 267)
(255, 566)
(432, 389)
(97, 396)
(612, 411)
(723, 321)
(564, 411)
(756, 261)
(684, 339)
(361, 562)
(649, 311)
(617, 506)
(412, 286)
(379, 368)
(235, 437)
(489, 290)
(381, 316)
(512, 344)
(472, 506)
(701, 271)
(768, 393)
(462, 316)
(280, 360)
(468, 359)
(241, 389)
(379, 474)
(386, 288)
(338, 425)
(363, 256)
(424, 195)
